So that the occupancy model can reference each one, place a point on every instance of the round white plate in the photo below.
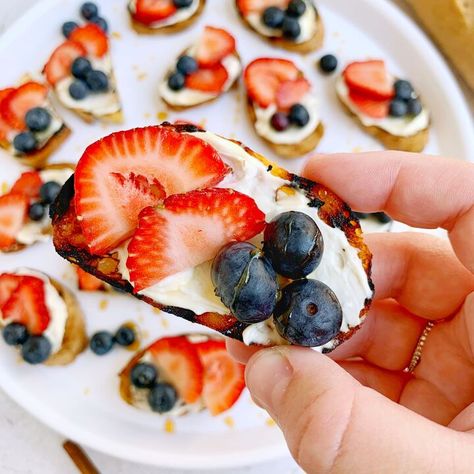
(81, 400)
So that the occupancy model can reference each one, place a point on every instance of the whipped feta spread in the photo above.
(340, 267)
(398, 126)
(308, 24)
(181, 14)
(98, 104)
(187, 97)
(292, 134)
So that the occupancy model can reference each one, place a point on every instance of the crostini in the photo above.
(183, 374)
(385, 106)
(294, 25)
(40, 317)
(154, 217)
(203, 72)
(282, 107)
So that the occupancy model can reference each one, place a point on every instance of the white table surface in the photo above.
(28, 446)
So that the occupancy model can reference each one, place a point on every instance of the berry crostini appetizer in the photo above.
(203, 72)
(24, 210)
(41, 317)
(386, 107)
(150, 209)
(282, 107)
(30, 128)
(163, 16)
(183, 374)
(294, 25)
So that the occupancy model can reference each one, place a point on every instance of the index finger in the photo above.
(420, 190)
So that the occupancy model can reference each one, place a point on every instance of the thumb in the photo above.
(333, 424)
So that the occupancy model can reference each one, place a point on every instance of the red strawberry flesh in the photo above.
(59, 64)
(211, 79)
(92, 38)
(151, 11)
(369, 78)
(370, 107)
(13, 210)
(8, 284)
(258, 6)
(290, 93)
(214, 45)
(29, 184)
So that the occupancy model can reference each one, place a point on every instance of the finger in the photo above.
(239, 351)
(333, 424)
(422, 191)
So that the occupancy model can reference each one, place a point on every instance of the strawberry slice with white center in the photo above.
(211, 79)
(92, 38)
(13, 211)
(264, 76)
(214, 45)
(88, 282)
(59, 64)
(4, 126)
(109, 211)
(369, 78)
(179, 364)
(15, 105)
(151, 11)
(374, 108)
(258, 6)
(29, 183)
(291, 92)
(189, 229)
(8, 284)
(223, 377)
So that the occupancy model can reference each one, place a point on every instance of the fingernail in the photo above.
(267, 377)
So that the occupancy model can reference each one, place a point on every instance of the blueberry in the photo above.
(279, 121)
(403, 89)
(97, 81)
(143, 375)
(68, 28)
(328, 63)
(186, 65)
(36, 349)
(125, 336)
(245, 282)
(382, 217)
(308, 313)
(182, 3)
(294, 244)
(299, 115)
(78, 90)
(81, 67)
(24, 142)
(296, 8)
(176, 81)
(414, 106)
(361, 215)
(101, 23)
(273, 17)
(15, 334)
(162, 397)
(89, 10)
(49, 191)
(398, 108)
(36, 211)
(101, 342)
(37, 119)
(290, 27)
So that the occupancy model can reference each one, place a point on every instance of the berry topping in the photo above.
(101, 23)
(211, 79)
(294, 244)
(38, 119)
(36, 211)
(92, 38)
(68, 28)
(189, 229)
(223, 377)
(279, 121)
(89, 10)
(78, 90)
(290, 27)
(370, 79)
(13, 211)
(308, 313)
(298, 115)
(125, 336)
(186, 65)
(24, 142)
(382, 217)
(8, 284)
(150, 11)
(59, 64)
(403, 89)
(398, 108)
(143, 375)
(101, 342)
(258, 6)
(214, 45)
(414, 106)
(29, 183)
(88, 282)
(176, 81)
(80, 67)
(328, 63)
(273, 17)
(296, 8)
(291, 92)
(179, 363)
(49, 191)
(36, 349)
(182, 3)
(162, 397)
(97, 81)
(15, 334)
(245, 282)
(371, 107)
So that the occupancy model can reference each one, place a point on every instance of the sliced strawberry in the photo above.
(13, 210)
(150, 11)
(369, 78)
(371, 107)
(15, 105)
(180, 162)
(189, 229)
(92, 38)
(211, 79)
(223, 377)
(59, 64)
(263, 77)
(4, 126)
(29, 184)
(214, 45)
(291, 92)
(8, 284)
(258, 6)
(178, 363)
(88, 282)
(27, 305)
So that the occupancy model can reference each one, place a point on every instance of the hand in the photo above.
(359, 412)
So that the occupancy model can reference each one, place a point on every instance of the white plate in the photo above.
(81, 400)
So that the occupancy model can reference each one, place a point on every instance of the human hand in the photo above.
(359, 412)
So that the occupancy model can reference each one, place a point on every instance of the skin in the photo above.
(356, 410)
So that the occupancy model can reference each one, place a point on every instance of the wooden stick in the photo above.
(80, 458)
